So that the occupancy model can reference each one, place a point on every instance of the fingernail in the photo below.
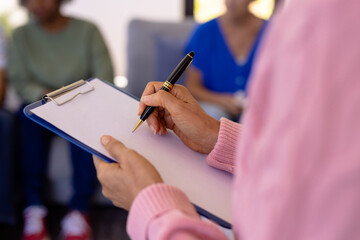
(153, 130)
(105, 140)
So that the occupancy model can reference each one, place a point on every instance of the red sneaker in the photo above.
(34, 223)
(76, 226)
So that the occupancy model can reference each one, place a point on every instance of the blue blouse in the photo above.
(221, 72)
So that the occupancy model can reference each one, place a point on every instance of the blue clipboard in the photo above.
(51, 127)
(52, 97)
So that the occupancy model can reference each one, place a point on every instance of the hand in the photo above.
(229, 103)
(122, 181)
(180, 112)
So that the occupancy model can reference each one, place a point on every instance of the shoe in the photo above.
(34, 223)
(76, 226)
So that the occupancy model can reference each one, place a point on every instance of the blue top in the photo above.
(221, 71)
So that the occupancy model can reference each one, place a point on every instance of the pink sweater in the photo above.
(297, 172)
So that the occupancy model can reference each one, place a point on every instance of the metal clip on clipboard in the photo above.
(57, 93)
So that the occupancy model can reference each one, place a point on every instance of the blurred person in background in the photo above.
(6, 145)
(51, 51)
(225, 48)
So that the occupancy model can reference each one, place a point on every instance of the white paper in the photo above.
(107, 111)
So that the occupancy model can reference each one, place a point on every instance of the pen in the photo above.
(168, 85)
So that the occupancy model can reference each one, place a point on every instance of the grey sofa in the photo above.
(153, 51)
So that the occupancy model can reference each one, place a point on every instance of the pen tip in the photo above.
(191, 54)
(137, 125)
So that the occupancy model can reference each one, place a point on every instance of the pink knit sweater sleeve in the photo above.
(223, 155)
(162, 211)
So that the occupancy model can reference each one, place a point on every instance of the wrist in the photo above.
(214, 129)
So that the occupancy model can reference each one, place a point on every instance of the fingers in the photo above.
(151, 88)
(155, 123)
(114, 147)
(98, 162)
(104, 169)
(121, 182)
(101, 164)
(166, 102)
(178, 91)
(161, 99)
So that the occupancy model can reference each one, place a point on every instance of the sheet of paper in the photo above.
(109, 111)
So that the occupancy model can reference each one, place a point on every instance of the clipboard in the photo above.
(84, 111)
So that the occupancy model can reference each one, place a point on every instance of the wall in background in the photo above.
(11, 15)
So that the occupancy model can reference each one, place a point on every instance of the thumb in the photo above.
(102, 168)
(114, 147)
(162, 99)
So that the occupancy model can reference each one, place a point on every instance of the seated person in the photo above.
(51, 51)
(6, 147)
(224, 51)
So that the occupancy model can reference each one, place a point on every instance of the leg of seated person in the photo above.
(6, 167)
(84, 179)
(35, 143)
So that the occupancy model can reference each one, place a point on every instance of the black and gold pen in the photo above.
(168, 85)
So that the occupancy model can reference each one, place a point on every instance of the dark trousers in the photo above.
(35, 142)
(6, 167)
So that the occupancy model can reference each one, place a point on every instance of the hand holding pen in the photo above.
(168, 85)
(176, 110)
(180, 112)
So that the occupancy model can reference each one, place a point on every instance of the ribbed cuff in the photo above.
(151, 203)
(223, 154)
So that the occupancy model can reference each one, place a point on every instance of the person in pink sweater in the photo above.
(295, 159)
